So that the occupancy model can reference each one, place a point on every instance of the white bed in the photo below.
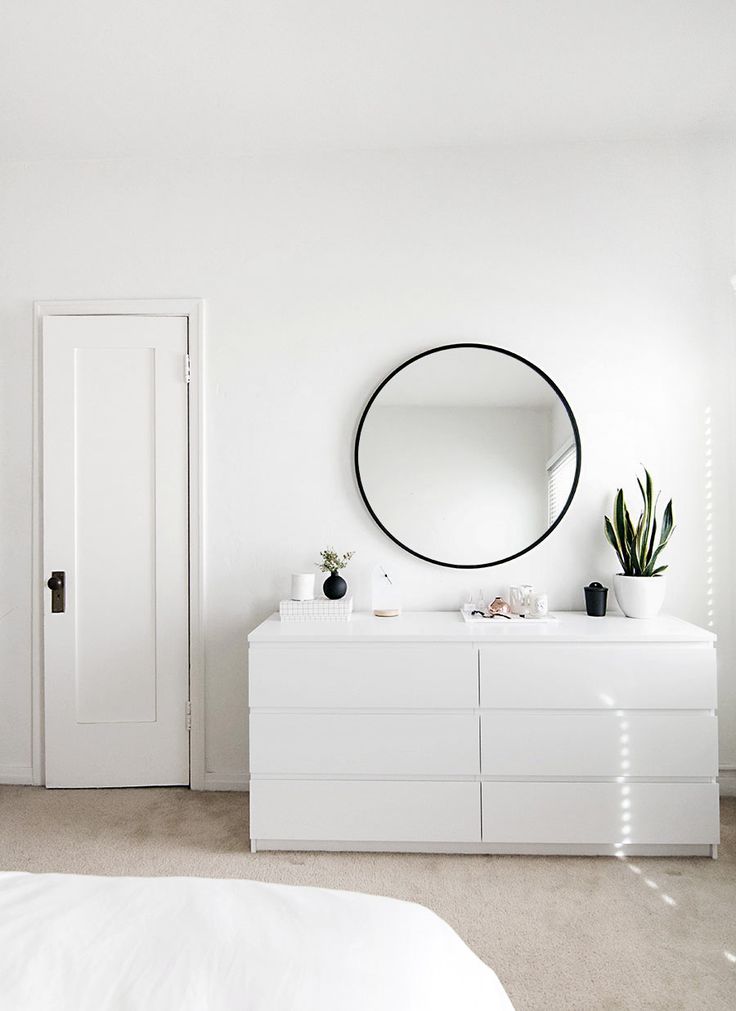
(73, 943)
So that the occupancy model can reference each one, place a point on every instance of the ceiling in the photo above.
(118, 78)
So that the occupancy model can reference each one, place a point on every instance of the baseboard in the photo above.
(16, 775)
(22, 775)
(226, 781)
(727, 779)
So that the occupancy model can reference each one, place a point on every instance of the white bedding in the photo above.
(73, 943)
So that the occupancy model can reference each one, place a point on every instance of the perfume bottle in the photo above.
(521, 598)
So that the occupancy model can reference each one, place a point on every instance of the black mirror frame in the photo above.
(485, 347)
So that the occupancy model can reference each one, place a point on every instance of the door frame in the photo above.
(193, 309)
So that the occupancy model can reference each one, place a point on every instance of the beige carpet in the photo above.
(562, 933)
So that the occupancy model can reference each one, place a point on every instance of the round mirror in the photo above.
(467, 455)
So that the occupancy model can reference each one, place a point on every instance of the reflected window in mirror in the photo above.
(560, 478)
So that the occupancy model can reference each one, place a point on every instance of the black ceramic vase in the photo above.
(334, 587)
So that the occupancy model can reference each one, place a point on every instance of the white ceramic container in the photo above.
(640, 596)
(540, 606)
(302, 586)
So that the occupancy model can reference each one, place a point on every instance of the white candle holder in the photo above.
(302, 586)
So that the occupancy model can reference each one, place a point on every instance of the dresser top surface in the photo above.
(448, 626)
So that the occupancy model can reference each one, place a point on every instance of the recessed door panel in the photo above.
(114, 451)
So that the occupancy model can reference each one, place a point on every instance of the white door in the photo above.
(115, 522)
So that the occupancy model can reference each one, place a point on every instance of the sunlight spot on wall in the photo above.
(708, 426)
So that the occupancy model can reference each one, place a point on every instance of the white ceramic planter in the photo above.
(640, 596)
(302, 586)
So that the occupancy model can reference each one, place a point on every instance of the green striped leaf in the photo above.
(613, 541)
(636, 544)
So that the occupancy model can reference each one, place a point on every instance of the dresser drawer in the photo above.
(345, 676)
(599, 813)
(589, 676)
(362, 744)
(671, 744)
(364, 811)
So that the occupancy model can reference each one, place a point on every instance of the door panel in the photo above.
(115, 391)
(115, 521)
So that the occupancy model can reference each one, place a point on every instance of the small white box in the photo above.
(316, 610)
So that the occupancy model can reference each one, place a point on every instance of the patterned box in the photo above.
(316, 610)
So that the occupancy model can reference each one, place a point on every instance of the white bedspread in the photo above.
(72, 943)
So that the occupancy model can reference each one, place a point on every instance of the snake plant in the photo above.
(637, 546)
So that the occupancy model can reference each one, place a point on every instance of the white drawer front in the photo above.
(586, 676)
(596, 813)
(353, 744)
(678, 745)
(365, 811)
(438, 676)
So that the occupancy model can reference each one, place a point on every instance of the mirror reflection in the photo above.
(467, 455)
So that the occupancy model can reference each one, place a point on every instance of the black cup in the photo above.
(596, 596)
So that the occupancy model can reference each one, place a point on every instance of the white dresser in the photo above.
(423, 733)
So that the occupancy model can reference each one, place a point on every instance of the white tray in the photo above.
(514, 619)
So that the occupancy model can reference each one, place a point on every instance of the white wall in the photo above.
(608, 265)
